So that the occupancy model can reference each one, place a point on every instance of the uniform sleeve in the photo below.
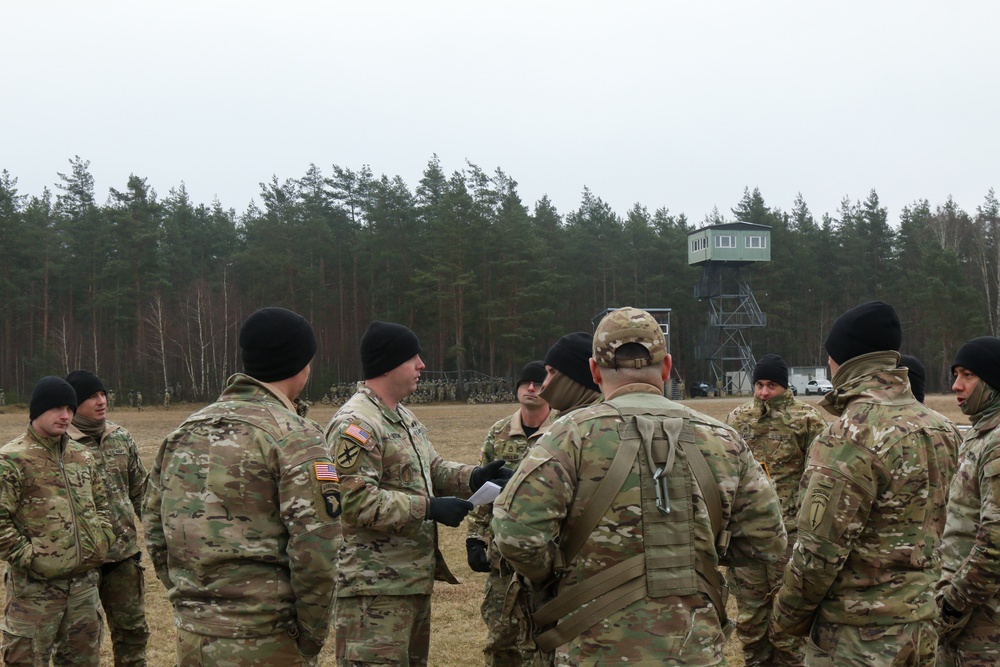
(137, 476)
(101, 505)
(528, 514)
(15, 548)
(815, 424)
(358, 454)
(309, 497)
(152, 523)
(839, 486)
(977, 580)
(478, 521)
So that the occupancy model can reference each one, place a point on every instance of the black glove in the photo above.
(493, 471)
(478, 561)
(450, 511)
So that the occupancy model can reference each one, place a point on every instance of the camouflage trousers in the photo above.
(906, 645)
(122, 596)
(506, 610)
(195, 650)
(55, 616)
(752, 619)
(976, 645)
(383, 630)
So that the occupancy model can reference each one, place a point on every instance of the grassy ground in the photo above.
(457, 432)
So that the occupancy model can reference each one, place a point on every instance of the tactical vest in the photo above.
(670, 466)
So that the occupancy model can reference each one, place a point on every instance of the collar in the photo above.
(634, 388)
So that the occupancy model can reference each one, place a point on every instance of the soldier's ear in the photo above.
(595, 372)
(666, 367)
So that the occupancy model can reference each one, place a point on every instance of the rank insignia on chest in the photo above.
(326, 472)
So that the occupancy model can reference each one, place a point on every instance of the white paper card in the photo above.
(487, 493)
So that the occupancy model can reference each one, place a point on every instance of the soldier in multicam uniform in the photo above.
(509, 644)
(628, 506)
(778, 428)
(861, 578)
(568, 383)
(391, 484)
(241, 511)
(54, 534)
(124, 479)
(969, 591)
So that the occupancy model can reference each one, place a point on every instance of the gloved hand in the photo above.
(478, 561)
(493, 471)
(450, 510)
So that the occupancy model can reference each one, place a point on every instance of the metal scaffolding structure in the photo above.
(733, 312)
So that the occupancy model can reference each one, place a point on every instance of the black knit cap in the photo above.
(276, 344)
(771, 367)
(917, 374)
(51, 392)
(533, 371)
(982, 357)
(870, 327)
(571, 356)
(385, 346)
(86, 384)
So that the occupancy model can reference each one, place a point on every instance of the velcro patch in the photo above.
(355, 432)
(326, 472)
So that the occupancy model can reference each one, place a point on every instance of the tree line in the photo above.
(149, 292)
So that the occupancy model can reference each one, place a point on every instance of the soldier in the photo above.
(628, 506)
(568, 384)
(124, 479)
(138, 400)
(241, 511)
(166, 398)
(3, 398)
(392, 481)
(861, 577)
(131, 398)
(54, 534)
(778, 428)
(111, 400)
(967, 593)
(508, 644)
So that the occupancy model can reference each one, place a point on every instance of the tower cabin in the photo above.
(731, 243)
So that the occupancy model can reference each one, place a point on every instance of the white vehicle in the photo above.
(818, 387)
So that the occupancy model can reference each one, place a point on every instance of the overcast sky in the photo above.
(669, 104)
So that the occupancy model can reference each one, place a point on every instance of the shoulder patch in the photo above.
(357, 433)
(325, 472)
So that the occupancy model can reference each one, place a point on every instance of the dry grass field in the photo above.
(457, 432)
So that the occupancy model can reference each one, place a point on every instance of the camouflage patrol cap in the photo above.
(628, 325)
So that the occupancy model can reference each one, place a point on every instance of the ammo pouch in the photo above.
(672, 468)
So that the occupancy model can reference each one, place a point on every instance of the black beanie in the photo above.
(571, 356)
(917, 374)
(276, 344)
(533, 371)
(51, 392)
(982, 357)
(870, 327)
(771, 367)
(385, 346)
(86, 384)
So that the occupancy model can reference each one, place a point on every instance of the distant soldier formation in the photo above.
(601, 511)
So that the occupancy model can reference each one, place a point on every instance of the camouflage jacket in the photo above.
(779, 432)
(555, 482)
(970, 549)
(873, 505)
(241, 518)
(124, 478)
(505, 440)
(54, 518)
(388, 471)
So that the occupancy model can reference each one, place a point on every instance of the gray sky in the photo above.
(668, 104)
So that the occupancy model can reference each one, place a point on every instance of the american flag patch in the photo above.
(357, 433)
(326, 472)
